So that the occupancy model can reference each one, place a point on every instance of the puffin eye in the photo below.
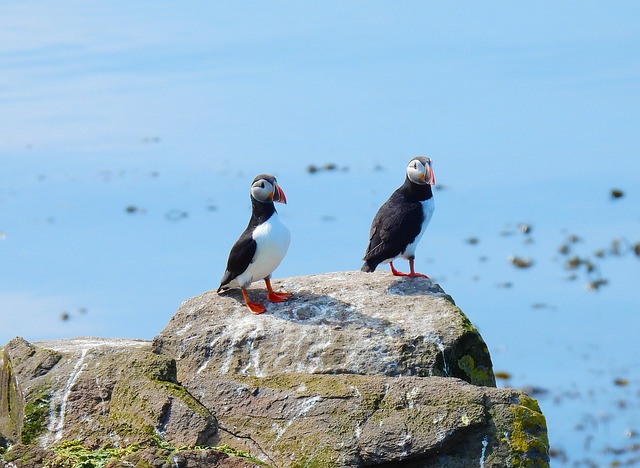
(262, 184)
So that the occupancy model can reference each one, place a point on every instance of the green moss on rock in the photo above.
(35, 412)
(308, 384)
(73, 454)
(477, 375)
(180, 393)
(326, 458)
(528, 440)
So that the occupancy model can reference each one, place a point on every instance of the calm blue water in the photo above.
(129, 137)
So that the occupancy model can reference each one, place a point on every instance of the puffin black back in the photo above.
(401, 221)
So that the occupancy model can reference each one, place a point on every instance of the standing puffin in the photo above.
(401, 221)
(261, 247)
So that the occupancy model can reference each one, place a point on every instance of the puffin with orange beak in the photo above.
(261, 247)
(401, 221)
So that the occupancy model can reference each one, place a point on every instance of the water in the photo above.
(129, 137)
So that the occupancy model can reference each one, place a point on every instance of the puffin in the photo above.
(261, 247)
(401, 221)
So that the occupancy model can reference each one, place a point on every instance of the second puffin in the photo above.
(261, 247)
(401, 221)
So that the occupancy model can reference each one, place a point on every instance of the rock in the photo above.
(106, 391)
(355, 420)
(356, 369)
(337, 323)
(26, 456)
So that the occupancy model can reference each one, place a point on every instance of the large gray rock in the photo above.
(337, 323)
(356, 369)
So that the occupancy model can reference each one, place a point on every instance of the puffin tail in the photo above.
(368, 267)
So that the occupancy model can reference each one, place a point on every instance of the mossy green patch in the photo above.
(234, 453)
(477, 375)
(466, 323)
(72, 454)
(180, 393)
(320, 459)
(35, 411)
(528, 440)
(10, 408)
(310, 452)
(307, 384)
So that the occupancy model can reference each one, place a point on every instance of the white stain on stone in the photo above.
(56, 418)
(405, 443)
(358, 430)
(302, 410)
(441, 348)
(485, 443)
(254, 357)
(224, 369)
(209, 353)
(246, 329)
(103, 408)
(412, 397)
(88, 342)
(184, 329)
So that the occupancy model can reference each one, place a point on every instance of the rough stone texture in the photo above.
(355, 370)
(354, 420)
(26, 456)
(337, 323)
(104, 391)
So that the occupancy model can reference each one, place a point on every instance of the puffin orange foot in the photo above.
(254, 307)
(278, 296)
(413, 273)
(395, 272)
(275, 296)
(417, 275)
(399, 273)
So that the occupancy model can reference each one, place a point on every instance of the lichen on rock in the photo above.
(530, 446)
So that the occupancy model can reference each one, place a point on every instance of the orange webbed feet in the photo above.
(278, 296)
(273, 296)
(254, 307)
(413, 273)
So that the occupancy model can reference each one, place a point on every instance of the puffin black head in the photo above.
(265, 189)
(419, 171)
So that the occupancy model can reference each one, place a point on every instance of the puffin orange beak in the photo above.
(279, 196)
(432, 178)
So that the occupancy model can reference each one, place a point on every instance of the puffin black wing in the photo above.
(240, 257)
(394, 227)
